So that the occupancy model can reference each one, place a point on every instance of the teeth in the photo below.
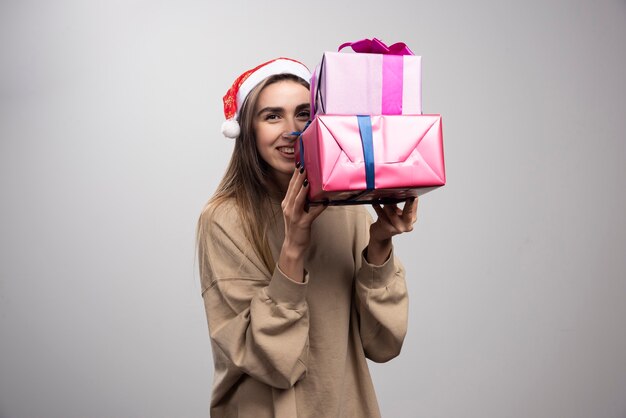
(287, 150)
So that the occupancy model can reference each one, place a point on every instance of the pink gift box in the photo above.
(367, 84)
(406, 152)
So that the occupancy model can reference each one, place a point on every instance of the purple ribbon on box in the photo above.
(376, 46)
(393, 67)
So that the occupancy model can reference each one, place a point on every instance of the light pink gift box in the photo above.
(407, 155)
(367, 84)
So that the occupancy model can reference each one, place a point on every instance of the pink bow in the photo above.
(376, 46)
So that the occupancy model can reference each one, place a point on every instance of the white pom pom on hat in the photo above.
(230, 128)
(243, 85)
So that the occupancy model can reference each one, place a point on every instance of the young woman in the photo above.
(296, 298)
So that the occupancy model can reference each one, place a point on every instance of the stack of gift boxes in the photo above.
(368, 140)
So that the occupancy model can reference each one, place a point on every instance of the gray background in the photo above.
(110, 145)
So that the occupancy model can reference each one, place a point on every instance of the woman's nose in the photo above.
(292, 125)
(291, 135)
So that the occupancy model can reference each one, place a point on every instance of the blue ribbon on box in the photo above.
(300, 142)
(365, 129)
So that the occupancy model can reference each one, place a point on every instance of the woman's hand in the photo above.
(298, 221)
(391, 221)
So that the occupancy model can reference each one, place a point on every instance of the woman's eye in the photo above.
(304, 114)
(271, 116)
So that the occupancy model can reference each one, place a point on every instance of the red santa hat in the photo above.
(244, 84)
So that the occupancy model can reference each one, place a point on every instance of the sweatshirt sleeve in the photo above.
(259, 321)
(382, 303)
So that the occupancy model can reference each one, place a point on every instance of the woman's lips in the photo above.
(287, 152)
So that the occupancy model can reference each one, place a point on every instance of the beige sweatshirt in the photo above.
(286, 349)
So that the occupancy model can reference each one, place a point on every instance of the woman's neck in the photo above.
(279, 183)
(276, 188)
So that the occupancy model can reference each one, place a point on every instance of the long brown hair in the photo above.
(248, 180)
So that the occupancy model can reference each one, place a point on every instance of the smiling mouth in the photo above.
(286, 150)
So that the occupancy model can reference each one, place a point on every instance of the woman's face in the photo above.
(281, 108)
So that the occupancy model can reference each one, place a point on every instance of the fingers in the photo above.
(301, 201)
(379, 211)
(394, 216)
(295, 202)
(300, 198)
(290, 188)
(394, 220)
(295, 185)
(409, 212)
(387, 213)
(298, 217)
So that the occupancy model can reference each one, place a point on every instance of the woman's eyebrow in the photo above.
(271, 110)
(303, 106)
